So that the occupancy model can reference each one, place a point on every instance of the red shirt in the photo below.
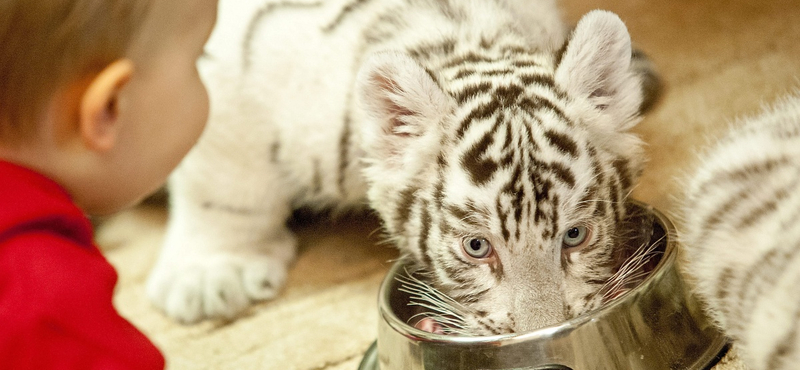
(56, 287)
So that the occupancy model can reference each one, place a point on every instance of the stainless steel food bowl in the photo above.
(656, 325)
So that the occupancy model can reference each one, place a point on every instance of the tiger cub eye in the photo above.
(575, 236)
(477, 247)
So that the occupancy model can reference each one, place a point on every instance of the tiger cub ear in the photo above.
(402, 104)
(595, 65)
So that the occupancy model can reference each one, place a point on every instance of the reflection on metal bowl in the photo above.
(656, 325)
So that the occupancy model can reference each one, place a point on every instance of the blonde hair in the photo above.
(45, 44)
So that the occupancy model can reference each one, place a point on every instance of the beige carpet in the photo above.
(719, 59)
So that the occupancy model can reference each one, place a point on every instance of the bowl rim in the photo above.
(668, 259)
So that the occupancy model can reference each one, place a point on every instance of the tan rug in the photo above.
(719, 60)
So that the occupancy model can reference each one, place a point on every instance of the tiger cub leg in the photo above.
(226, 244)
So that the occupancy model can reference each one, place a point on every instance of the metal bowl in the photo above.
(656, 325)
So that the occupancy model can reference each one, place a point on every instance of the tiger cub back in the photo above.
(742, 235)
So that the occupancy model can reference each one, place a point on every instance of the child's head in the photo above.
(102, 96)
(44, 44)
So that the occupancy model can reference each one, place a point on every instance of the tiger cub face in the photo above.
(508, 197)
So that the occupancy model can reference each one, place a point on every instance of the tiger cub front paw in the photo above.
(216, 286)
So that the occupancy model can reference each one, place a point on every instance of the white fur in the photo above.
(760, 311)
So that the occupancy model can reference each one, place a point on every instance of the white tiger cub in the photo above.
(742, 235)
(495, 152)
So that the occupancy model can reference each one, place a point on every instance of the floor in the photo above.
(720, 59)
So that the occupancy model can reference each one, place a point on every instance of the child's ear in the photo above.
(99, 107)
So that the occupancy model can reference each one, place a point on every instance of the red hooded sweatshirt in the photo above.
(56, 287)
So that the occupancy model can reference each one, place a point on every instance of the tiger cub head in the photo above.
(507, 198)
